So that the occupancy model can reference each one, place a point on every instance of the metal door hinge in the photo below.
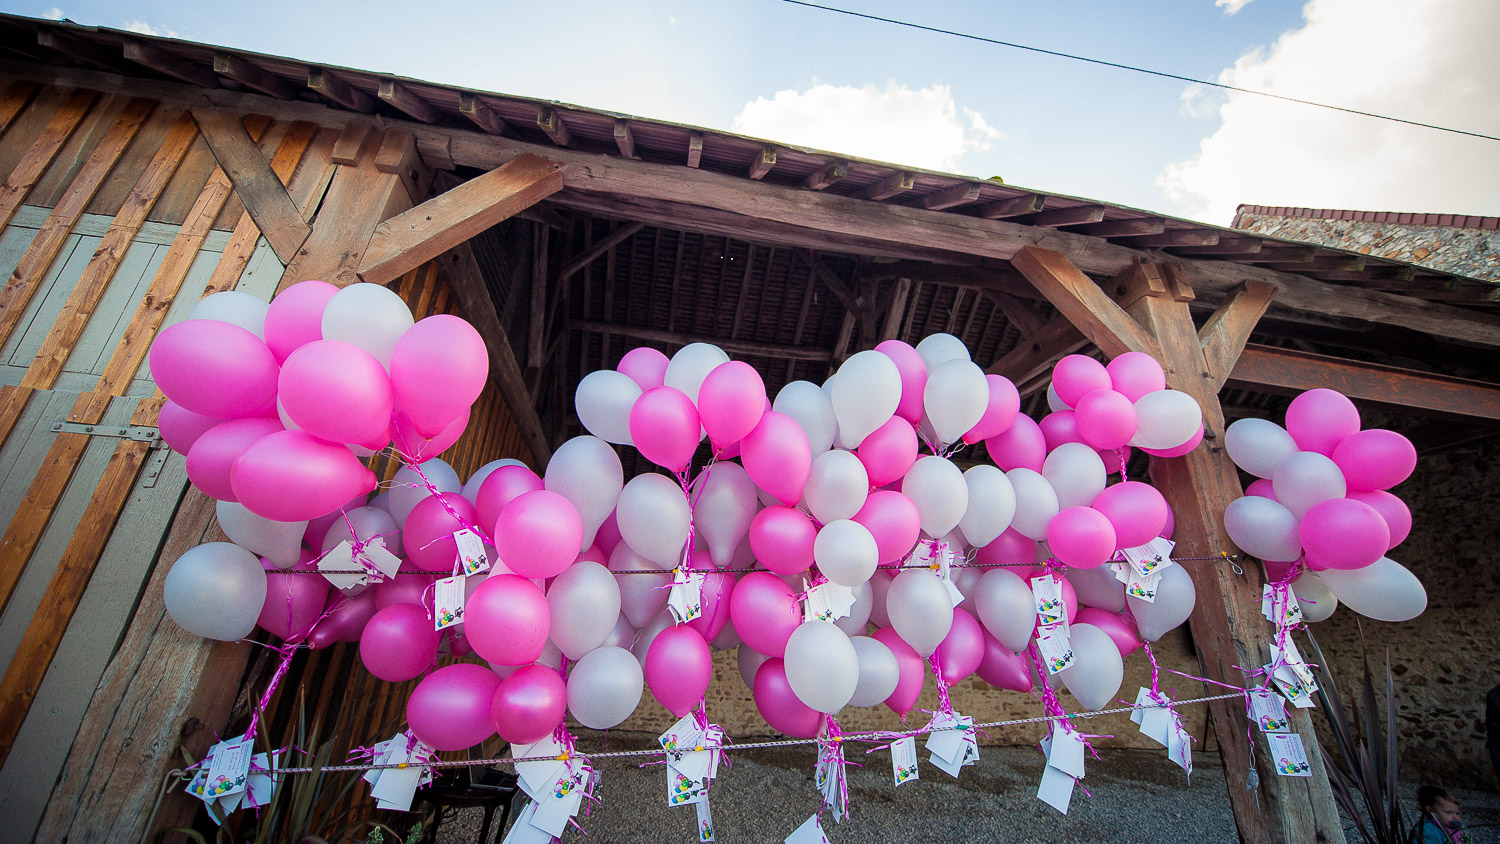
(159, 451)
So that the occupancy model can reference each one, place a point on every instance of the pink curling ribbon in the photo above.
(287, 651)
(831, 758)
(357, 550)
(945, 707)
(1120, 453)
(427, 482)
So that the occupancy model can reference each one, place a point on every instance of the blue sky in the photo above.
(802, 75)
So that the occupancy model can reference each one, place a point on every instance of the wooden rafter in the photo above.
(898, 182)
(1026, 203)
(264, 195)
(328, 84)
(85, 51)
(950, 197)
(1227, 330)
(826, 175)
(624, 138)
(695, 149)
(1178, 237)
(1016, 311)
(1036, 353)
(677, 338)
(1125, 228)
(551, 123)
(831, 280)
(164, 62)
(402, 97)
(480, 114)
(592, 253)
(253, 76)
(890, 327)
(1068, 216)
(1225, 246)
(764, 161)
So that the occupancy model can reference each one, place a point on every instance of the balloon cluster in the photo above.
(1321, 510)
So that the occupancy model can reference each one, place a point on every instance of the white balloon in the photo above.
(603, 399)
(642, 596)
(648, 635)
(1097, 671)
(854, 623)
(367, 523)
(216, 591)
(587, 472)
(1305, 479)
(1076, 473)
(822, 666)
(1258, 445)
(585, 604)
(1263, 528)
(604, 687)
(1098, 588)
(279, 542)
(622, 635)
(369, 316)
(919, 609)
(749, 661)
(408, 490)
(1175, 596)
(845, 552)
(938, 489)
(471, 486)
(955, 398)
(992, 505)
(967, 580)
(1036, 503)
(938, 349)
(1314, 597)
(1385, 590)
(692, 363)
(654, 518)
(724, 503)
(809, 406)
(727, 638)
(865, 395)
(837, 486)
(1054, 401)
(235, 308)
(878, 671)
(1167, 419)
(1006, 608)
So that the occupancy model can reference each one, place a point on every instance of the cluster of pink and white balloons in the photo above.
(1322, 497)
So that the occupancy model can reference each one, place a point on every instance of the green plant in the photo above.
(1363, 773)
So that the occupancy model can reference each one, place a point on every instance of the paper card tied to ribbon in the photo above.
(394, 788)
(952, 744)
(810, 832)
(346, 569)
(1269, 712)
(1280, 606)
(448, 597)
(471, 556)
(563, 800)
(1150, 558)
(536, 778)
(938, 556)
(1163, 725)
(1290, 756)
(685, 599)
(1064, 751)
(705, 822)
(904, 760)
(827, 601)
(1056, 647)
(1046, 592)
(693, 754)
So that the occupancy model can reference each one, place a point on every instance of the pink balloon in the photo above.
(293, 603)
(1179, 450)
(1320, 419)
(1009, 549)
(646, 367)
(317, 527)
(608, 535)
(1105, 419)
(1342, 533)
(180, 427)
(962, 650)
(764, 612)
(1375, 459)
(718, 594)
(1393, 510)
(1003, 669)
(913, 377)
(593, 554)
(214, 452)
(782, 539)
(427, 535)
(507, 620)
(1081, 537)
(911, 671)
(678, 668)
(215, 368)
(529, 704)
(1277, 570)
(1135, 374)
(1075, 376)
(398, 643)
(778, 457)
(730, 403)
(1000, 413)
(336, 391)
(1119, 628)
(438, 368)
(405, 589)
(295, 317)
(503, 486)
(1171, 524)
(345, 621)
(1021, 446)
(1114, 459)
(779, 705)
(889, 451)
(1135, 510)
(894, 521)
(538, 534)
(1060, 427)
(450, 709)
(1262, 487)
(664, 427)
(417, 448)
(290, 476)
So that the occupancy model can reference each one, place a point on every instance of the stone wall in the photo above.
(1464, 251)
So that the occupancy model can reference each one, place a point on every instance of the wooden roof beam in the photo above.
(1037, 352)
(1225, 246)
(253, 76)
(480, 114)
(1224, 335)
(890, 326)
(257, 185)
(676, 338)
(826, 175)
(1283, 253)
(1076, 216)
(1125, 228)
(550, 122)
(898, 182)
(1178, 237)
(624, 138)
(695, 149)
(1330, 263)
(401, 97)
(764, 161)
(1016, 311)
(329, 86)
(165, 62)
(1026, 203)
(949, 197)
(1077, 297)
(87, 52)
(832, 281)
(593, 253)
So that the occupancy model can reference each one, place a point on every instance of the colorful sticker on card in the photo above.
(1057, 650)
(904, 760)
(448, 601)
(705, 822)
(685, 598)
(228, 768)
(1269, 711)
(1142, 588)
(1290, 756)
(1047, 594)
(471, 554)
(1280, 606)
(1150, 558)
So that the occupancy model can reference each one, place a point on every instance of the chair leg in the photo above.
(484, 831)
(505, 813)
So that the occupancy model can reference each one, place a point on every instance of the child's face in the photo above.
(1444, 811)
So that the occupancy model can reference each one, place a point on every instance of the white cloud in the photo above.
(1232, 6)
(1431, 64)
(921, 128)
(147, 29)
(54, 14)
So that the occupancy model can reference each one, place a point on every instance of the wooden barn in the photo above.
(142, 173)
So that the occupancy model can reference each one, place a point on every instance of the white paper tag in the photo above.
(705, 821)
(337, 564)
(815, 606)
(523, 831)
(1057, 651)
(1142, 588)
(683, 790)
(810, 832)
(904, 760)
(1179, 745)
(1056, 789)
(1047, 594)
(228, 768)
(1151, 557)
(1269, 712)
(448, 601)
(470, 551)
(397, 786)
(563, 800)
(1291, 758)
(1065, 750)
(1281, 610)
(381, 558)
(260, 788)
(537, 776)
(685, 599)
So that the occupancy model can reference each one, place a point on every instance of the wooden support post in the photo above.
(264, 195)
(536, 325)
(890, 328)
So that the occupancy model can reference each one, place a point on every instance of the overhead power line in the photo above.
(1132, 68)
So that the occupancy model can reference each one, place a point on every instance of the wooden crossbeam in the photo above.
(327, 84)
(165, 62)
(1067, 216)
(678, 339)
(1026, 203)
(348, 149)
(1227, 330)
(890, 327)
(264, 195)
(1077, 297)
(624, 138)
(1225, 246)
(1126, 228)
(826, 175)
(593, 253)
(764, 161)
(402, 97)
(949, 197)
(695, 149)
(84, 51)
(1000, 278)
(41, 153)
(420, 234)
(1178, 237)
(550, 122)
(1036, 353)
(832, 281)
(888, 187)
(1016, 312)
(480, 114)
(253, 76)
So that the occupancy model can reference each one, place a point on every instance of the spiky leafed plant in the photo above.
(1362, 767)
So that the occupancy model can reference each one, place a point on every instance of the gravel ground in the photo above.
(1136, 796)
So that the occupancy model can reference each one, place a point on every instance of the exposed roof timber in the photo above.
(830, 279)
(480, 114)
(1067, 216)
(898, 182)
(85, 51)
(1225, 246)
(1179, 237)
(329, 85)
(1289, 253)
(949, 197)
(1034, 356)
(624, 138)
(1125, 228)
(1002, 278)
(1321, 263)
(677, 338)
(695, 149)
(762, 164)
(826, 175)
(593, 252)
(166, 63)
(550, 122)
(401, 97)
(1026, 203)
(253, 76)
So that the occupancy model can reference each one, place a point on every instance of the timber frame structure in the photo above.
(659, 234)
